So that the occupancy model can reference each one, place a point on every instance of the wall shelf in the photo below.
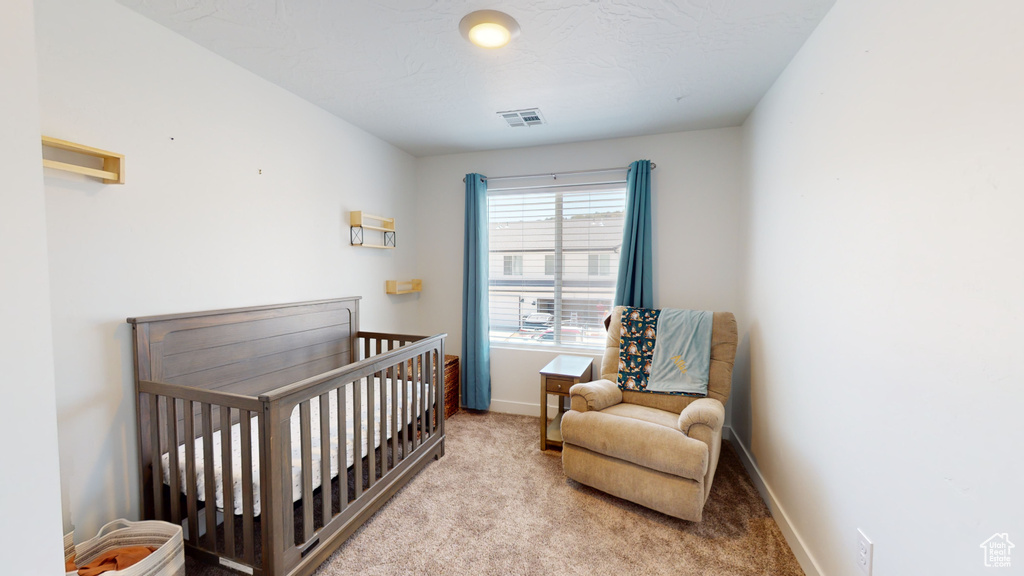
(113, 163)
(359, 223)
(403, 286)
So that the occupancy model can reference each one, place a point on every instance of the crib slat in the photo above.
(357, 434)
(245, 438)
(424, 380)
(436, 395)
(431, 384)
(437, 391)
(342, 449)
(387, 392)
(420, 400)
(209, 478)
(366, 348)
(191, 505)
(385, 439)
(380, 389)
(394, 413)
(171, 421)
(227, 480)
(422, 405)
(399, 404)
(371, 424)
(382, 420)
(416, 387)
(305, 426)
(410, 417)
(156, 461)
(425, 398)
(325, 458)
(408, 396)
(407, 407)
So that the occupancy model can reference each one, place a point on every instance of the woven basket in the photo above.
(167, 560)
(451, 385)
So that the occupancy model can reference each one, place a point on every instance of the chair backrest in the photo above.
(723, 354)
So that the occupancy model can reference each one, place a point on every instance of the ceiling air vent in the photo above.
(520, 118)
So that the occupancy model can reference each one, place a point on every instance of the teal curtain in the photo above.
(476, 326)
(635, 284)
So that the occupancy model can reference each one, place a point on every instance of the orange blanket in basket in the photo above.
(117, 559)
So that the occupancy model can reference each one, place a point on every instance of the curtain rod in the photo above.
(549, 186)
(555, 175)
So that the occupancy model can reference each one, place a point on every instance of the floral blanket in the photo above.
(676, 363)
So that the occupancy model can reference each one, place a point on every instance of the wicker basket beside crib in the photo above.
(451, 385)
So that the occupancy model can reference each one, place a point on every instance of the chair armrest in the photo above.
(703, 420)
(596, 395)
(706, 411)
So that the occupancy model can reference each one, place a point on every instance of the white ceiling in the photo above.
(596, 68)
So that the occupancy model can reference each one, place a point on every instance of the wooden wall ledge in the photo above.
(403, 286)
(113, 163)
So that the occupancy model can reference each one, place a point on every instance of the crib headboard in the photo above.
(247, 351)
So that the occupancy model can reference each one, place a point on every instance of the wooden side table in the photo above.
(556, 378)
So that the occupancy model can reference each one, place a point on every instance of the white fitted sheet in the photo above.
(296, 452)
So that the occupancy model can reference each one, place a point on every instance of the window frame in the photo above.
(577, 330)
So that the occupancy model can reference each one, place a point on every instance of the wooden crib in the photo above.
(232, 405)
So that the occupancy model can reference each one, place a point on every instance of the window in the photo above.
(553, 254)
(513, 265)
(600, 265)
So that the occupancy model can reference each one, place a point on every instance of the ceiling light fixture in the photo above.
(489, 28)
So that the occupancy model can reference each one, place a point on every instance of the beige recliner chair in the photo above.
(657, 450)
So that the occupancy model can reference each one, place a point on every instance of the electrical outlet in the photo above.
(865, 551)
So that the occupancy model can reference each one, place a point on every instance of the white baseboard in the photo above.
(803, 556)
(513, 407)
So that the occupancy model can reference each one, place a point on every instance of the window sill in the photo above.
(552, 349)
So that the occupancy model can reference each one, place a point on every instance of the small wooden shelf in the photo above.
(358, 222)
(113, 163)
(554, 429)
(403, 286)
(357, 218)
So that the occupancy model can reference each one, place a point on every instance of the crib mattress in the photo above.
(296, 452)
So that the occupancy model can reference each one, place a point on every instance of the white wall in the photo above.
(696, 193)
(30, 526)
(883, 286)
(197, 226)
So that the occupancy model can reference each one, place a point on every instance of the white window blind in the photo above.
(553, 260)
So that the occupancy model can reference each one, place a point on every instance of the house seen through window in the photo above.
(554, 255)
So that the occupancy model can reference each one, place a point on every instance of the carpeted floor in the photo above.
(495, 504)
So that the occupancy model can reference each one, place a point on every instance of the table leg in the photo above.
(543, 414)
